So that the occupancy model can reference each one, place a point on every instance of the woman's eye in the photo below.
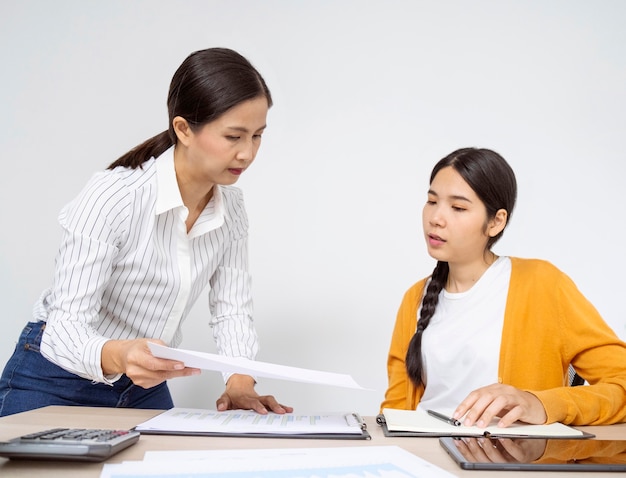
(431, 202)
(232, 138)
(458, 209)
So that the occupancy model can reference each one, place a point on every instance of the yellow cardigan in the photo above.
(548, 324)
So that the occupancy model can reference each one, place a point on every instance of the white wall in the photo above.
(368, 96)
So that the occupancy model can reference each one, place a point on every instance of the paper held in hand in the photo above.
(220, 363)
(419, 423)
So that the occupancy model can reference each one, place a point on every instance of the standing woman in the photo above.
(487, 336)
(140, 243)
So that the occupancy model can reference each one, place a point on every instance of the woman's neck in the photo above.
(462, 277)
(195, 195)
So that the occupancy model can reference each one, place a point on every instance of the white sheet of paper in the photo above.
(336, 462)
(220, 363)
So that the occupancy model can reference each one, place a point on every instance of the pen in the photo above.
(449, 420)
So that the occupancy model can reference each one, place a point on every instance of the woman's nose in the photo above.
(247, 151)
(436, 219)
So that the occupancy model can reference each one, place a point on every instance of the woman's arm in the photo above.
(401, 392)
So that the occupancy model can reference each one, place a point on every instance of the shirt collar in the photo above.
(168, 196)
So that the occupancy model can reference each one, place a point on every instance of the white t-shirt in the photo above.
(461, 345)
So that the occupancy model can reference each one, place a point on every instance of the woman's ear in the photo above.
(497, 223)
(182, 130)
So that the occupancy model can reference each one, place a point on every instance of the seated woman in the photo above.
(489, 337)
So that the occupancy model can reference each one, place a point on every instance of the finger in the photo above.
(185, 372)
(510, 417)
(465, 405)
(496, 409)
(473, 406)
(223, 403)
(493, 404)
(164, 364)
(474, 415)
(247, 403)
(258, 407)
(148, 378)
(272, 404)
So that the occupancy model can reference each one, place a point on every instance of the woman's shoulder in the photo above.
(232, 194)
(129, 178)
(233, 203)
(537, 273)
(113, 190)
(533, 266)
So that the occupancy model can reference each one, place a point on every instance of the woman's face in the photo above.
(220, 151)
(454, 220)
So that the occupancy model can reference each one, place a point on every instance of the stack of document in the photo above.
(246, 423)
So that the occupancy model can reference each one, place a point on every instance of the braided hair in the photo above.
(493, 181)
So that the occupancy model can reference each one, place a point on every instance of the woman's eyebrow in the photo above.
(243, 129)
(454, 197)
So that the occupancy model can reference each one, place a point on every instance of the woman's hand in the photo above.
(133, 358)
(240, 394)
(504, 401)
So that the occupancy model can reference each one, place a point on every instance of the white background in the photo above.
(368, 96)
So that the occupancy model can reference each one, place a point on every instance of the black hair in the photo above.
(206, 85)
(493, 181)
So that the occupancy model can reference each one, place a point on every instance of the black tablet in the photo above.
(536, 454)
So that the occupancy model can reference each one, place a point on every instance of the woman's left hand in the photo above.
(497, 400)
(240, 395)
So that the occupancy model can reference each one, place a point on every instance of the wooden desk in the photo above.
(84, 417)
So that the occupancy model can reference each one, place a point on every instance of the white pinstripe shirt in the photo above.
(127, 268)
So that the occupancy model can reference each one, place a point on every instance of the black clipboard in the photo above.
(364, 435)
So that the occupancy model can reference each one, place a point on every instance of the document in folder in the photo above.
(221, 363)
(419, 423)
(193, 421)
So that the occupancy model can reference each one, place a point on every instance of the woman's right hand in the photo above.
(133, 358)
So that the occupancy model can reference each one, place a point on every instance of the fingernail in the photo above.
(179, 366)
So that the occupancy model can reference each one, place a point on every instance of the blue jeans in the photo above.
(30, 381)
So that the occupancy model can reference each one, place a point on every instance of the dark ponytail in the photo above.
(150, 148)
(493, 181)
(206, 85)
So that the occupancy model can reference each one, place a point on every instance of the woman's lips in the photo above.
(435, 240)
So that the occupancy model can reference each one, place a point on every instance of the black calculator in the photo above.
(77, 444)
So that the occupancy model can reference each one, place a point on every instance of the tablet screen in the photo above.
(536, 454)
